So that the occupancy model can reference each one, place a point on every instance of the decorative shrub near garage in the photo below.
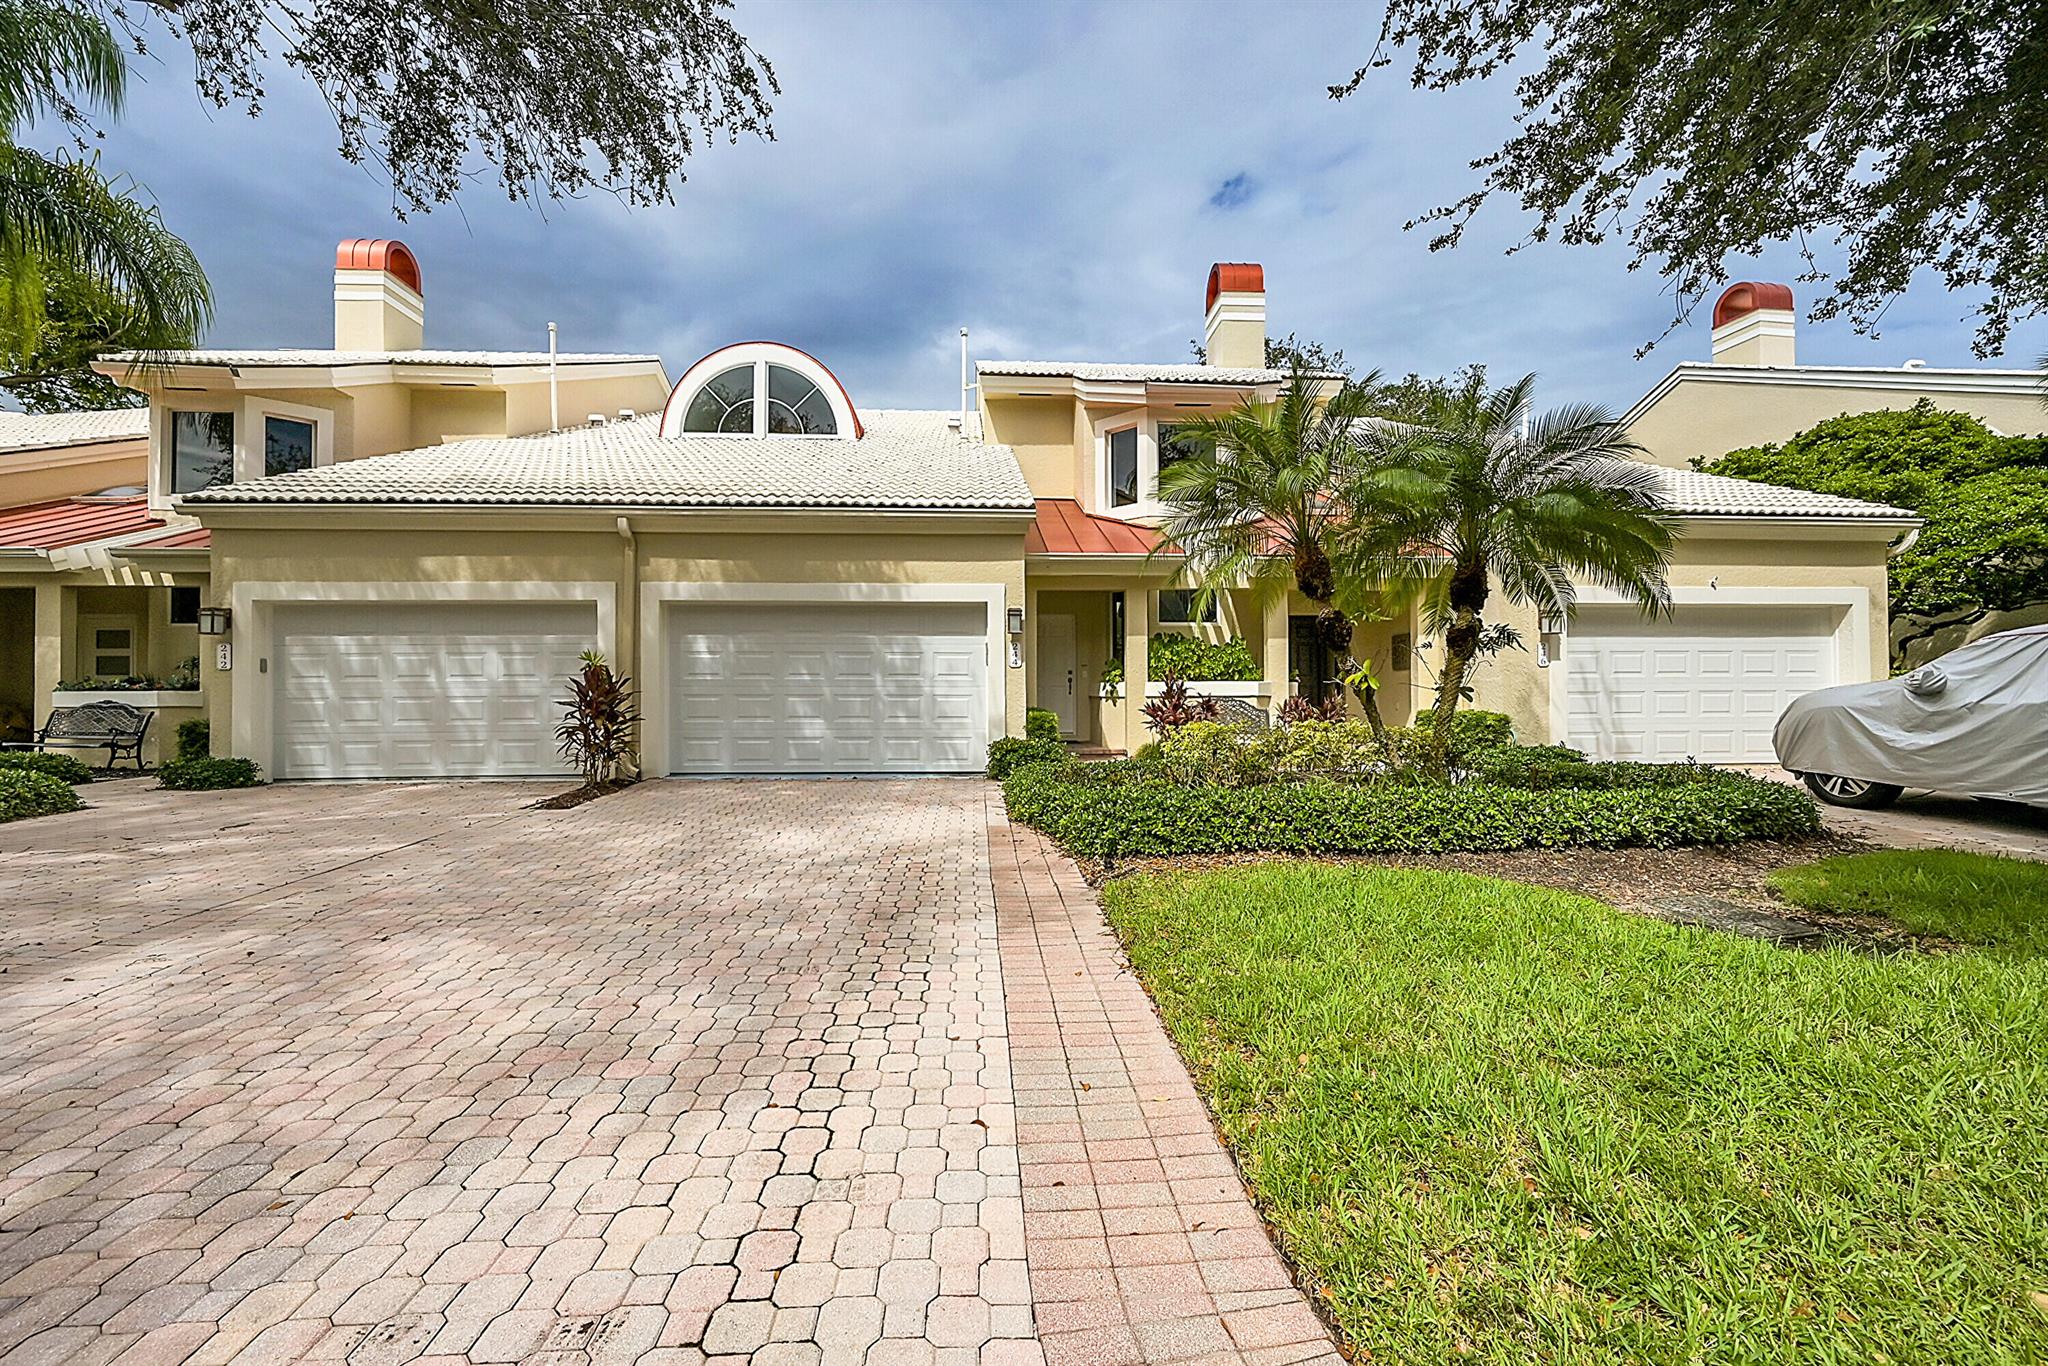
(208, 775)
(1007, 755)
(195, 738)
(1041, 724)
(25, 793)
(63, 767)
(1322, 788)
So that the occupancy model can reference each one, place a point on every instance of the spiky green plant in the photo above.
(600, 723)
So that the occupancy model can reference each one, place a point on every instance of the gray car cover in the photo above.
(1974, 721)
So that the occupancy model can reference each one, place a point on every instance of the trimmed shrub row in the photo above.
(1117, 810)
(208, 775)
(1007, 755)
(25, 793)
(65, 768)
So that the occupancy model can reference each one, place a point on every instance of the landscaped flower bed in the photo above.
(25, 793)
(1313, 790)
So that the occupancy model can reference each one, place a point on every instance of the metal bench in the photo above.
(115, 727)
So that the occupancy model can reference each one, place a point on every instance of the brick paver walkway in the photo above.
(699, 1071)
(1144, 1247)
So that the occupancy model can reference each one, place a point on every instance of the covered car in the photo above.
(1974, 721)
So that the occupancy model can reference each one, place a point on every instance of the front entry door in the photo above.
(1056, 671)
(1309, 662)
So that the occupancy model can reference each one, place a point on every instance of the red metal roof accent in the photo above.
(184, 538)
(1747, 296)
(1064, 527)
(73, 521)
(1236, 277)
(380, 253)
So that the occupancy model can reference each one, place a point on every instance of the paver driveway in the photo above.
(408, 1071)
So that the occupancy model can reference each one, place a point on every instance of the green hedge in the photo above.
(1194, 660)
(195, 738)
(1007, 755)
(207, 775)
(24, 793)
(1041, 724)
(1121, 809)
(64, 768)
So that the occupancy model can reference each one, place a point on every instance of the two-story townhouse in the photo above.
(801, 585)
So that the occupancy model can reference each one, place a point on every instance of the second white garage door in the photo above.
(440, 691)
(1708, 683)
(844, 688)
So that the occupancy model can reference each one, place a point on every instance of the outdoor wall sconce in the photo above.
(1014, 618)
(214, 621)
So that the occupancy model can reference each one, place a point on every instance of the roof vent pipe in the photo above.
(626, 415)
(965, 387)
(595, 419)
(554, 392)
(1915, 364)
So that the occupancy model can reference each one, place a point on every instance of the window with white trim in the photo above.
(202, 450)
(288, 445)
(763, 397)
(1123, 467)
(724, 404)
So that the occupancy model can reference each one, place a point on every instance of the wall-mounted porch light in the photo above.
(1013, 619)
(215, 621)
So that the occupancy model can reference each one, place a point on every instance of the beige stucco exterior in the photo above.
(266, 558)
(68, 471)
(1703, 412)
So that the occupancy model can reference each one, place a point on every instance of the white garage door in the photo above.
(1707, 683)
(440, 691)
(845, 688)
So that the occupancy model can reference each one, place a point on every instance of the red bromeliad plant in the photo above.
(598, 731)
(1173, 708)
(1313, 709)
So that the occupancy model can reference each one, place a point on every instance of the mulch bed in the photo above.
(589, 792)
(1641, 880)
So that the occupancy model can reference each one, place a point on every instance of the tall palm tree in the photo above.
(1261, 504)
(61, 211)
(1467, 491)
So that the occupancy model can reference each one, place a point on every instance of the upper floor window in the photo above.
(287, 445)
(759, 389)
(1123, 467)
(724, 404)
(1175, 447)
(202, 450)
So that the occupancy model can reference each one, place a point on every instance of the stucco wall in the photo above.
(1041, 432)
(1709, 418)
(526, 405)
(45, 476)
(1708, 560)
(470, 550)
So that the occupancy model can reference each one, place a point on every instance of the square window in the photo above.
(1177, 607)
(184, 607)
(287, 445)
(202, 450)
(1174, 448)
(1123, 467)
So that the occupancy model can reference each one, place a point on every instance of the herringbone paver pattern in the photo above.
(409, 1073)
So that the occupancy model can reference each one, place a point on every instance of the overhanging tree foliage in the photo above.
(559, 98)
(1985, 497)
(1909, 133)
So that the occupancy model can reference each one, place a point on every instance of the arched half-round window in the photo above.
(759, 389)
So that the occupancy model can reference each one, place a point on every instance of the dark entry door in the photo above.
(1309, 662)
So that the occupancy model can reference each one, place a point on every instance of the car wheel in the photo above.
(1856, 792)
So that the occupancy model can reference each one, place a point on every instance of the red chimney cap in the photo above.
(380, 253)
(1747, 296)
(1236, 277)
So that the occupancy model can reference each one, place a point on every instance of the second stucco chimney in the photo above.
(1753, 325)
(378, 302)
(1234, 330)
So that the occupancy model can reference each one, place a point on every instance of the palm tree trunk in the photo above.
(1461, 645)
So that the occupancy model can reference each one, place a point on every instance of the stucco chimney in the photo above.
(1753, 325)
(378, 302)
(1234, 330)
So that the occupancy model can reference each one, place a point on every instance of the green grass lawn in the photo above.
(2000, 903)
(1502, 1123)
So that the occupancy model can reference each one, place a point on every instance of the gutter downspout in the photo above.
(1904, 543)
(628, 611)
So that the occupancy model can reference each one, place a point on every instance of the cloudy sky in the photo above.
(1056, 177)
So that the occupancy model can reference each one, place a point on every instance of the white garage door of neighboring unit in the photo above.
(463, 690)
(840, 688)
(1708, 683)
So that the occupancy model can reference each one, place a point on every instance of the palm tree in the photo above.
(1260, 503)
(60, 211)
(1466, 491)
